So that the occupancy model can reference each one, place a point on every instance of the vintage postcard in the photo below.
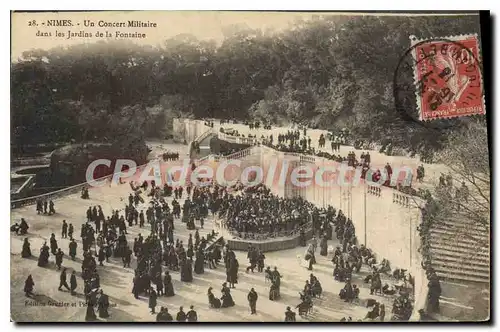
(205, 166)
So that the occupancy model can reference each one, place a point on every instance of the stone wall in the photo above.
(267, 246)
(188, 129)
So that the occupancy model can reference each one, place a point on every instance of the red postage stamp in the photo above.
(448, 77)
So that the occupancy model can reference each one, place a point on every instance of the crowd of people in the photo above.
(42, 205)
(170, 156)
(105, 237)
(348, 259)
(255, 210)
(247, 212)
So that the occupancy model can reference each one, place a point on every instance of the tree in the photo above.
(468, 197)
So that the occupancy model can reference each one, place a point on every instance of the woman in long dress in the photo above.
(323, 246)
(227, 299)
(91, 302)
(187, 270)
(103, 305)
(28, 286)
(232, 272)
(26, 253)
(167, 283)
(43, 259)
(200, 262)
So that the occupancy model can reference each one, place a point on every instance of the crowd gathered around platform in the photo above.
(249, 212)
(255, 210)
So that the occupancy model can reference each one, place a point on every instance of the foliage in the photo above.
(329, 72)
(466, 155)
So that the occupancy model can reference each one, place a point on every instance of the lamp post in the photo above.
(323, 189)
(366, 188)
(411, 235)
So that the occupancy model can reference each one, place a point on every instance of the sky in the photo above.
(203, 25)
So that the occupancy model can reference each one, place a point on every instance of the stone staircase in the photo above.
(204, 142)
(460, 251)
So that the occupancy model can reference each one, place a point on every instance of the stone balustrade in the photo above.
(401, 199)
(374, 190)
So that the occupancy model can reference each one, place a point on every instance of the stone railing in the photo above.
(226, 137)
(27, 184)
(14, 204)
(201, 160)
(204, 135)
(239, 154)
(238, 139)
(374, 190)
(50, 196)
(269, 245)
(401, 199)
(308, 159)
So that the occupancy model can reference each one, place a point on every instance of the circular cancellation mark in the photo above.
(439, 80)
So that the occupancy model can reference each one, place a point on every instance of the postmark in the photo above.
(440, 79)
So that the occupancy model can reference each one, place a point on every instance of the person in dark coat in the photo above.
(101, 256)
(135, 287)
(289, 315)
(199, 264)
(160, 317)
(127, 257)
(191, 315)
(434, 293)
(323, 246)
(62, 280)
(181, 315)
(103, 305)
(157, 280)
(26, 252)
(303, 241)
(72, 249)
(28, 286)
(43, 259)
(51, 208)
(53, 244)
(71, 230)
(72, 283)
(347, 293)
(164, 315)
(190, 254)
(252, 301)
(90, 313)
(23, 227)
(59, 258)
(227, 299)
(152, 300)
(232, 271)
(187, 271)
(64, 232)
(167, 285)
